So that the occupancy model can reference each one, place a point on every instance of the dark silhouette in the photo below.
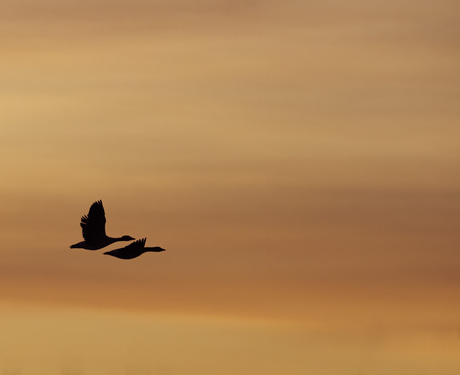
(133, 250)
(93, 229)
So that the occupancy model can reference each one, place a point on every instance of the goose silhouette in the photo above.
(133, 250)
(93, 230)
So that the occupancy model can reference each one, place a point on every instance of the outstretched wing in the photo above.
(136, 245)
(93, 224)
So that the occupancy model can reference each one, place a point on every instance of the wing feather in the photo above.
(139, 244)
(93, 224)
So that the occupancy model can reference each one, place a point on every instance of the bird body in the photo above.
(93, 230)
(133, 250)
(103, 242)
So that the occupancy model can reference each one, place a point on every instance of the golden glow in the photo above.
(297, 159)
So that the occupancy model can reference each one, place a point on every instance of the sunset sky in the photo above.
(298, 160)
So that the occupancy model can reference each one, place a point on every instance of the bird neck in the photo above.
(155, 249)
(113, 239)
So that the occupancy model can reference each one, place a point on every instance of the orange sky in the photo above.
(297, 159)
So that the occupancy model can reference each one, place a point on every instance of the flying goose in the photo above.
(133, 250)
(93, 229)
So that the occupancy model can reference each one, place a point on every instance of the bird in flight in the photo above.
(93, 230)
(133, 250)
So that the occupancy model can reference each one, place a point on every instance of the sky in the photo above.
(298, 160)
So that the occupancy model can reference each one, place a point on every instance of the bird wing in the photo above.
(136, 245)
(93, 224)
